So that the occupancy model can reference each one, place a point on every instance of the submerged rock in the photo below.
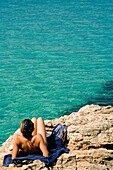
(90, 140)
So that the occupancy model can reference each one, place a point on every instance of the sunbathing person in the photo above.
(33, 140)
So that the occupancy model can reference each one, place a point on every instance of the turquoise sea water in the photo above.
(55, 57)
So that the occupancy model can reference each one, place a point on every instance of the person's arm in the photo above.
(42, 145)
(15, 147)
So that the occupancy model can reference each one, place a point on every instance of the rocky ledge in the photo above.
(90, 140)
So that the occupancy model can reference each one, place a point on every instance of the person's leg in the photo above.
(34, 120)
(41, 129)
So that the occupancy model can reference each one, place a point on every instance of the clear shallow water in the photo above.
(55, 57)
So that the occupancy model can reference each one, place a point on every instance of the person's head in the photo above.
(27, 127)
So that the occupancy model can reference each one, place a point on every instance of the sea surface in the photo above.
(55, 57)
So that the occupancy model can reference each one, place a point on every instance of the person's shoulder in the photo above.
(19, 138)
(36, 140)
(38, 136)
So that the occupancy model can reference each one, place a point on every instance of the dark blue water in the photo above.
(55, 57)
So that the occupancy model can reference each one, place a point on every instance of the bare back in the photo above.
(28, 146)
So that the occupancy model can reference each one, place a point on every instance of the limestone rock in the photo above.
(90, 140)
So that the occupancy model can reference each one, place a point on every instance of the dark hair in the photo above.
(27, 127)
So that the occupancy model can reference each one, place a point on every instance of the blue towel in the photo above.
(55, 147)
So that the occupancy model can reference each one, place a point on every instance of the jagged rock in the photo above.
(90, 140)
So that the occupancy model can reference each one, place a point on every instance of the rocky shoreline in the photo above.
(90, 140)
